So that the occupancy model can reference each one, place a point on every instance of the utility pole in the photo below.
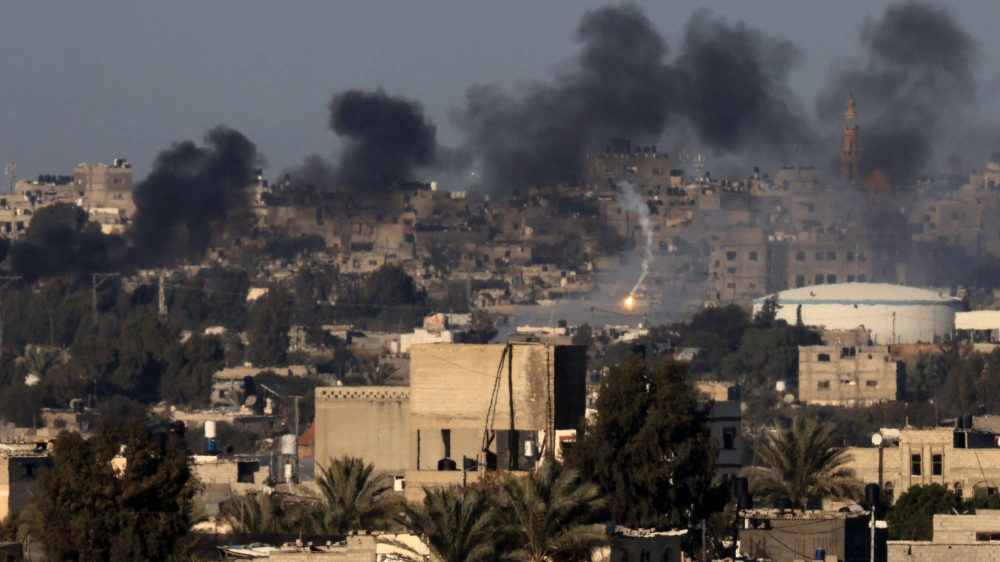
(9, 170)
(295, 471)
(98, 279)
(162, 297)
(4, 281)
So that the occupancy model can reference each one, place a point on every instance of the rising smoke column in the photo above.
(618, 86)
(387, 139)
(633, 202)
(728, 87)
(191, 194)
(734, 91)
(918, 71)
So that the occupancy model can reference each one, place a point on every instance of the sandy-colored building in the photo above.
(788, 536)
(370, 422)
(496, 405)
(963, 460)
(972, 536)
(20, 465)
(832, 375)
(726, 425)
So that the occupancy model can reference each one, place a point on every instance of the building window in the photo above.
(915, 465)
(831, 256)
(729, 438)
(850, 279)
(871, 384)
(753, 256)
(731, 270)
(987, 537)
(819, 278)
(800, 281)
(716, 263)
(862, 278)
(823, 385)
(831, 279)
(823, 357)
(861, 256)
(730, 256)
(800, 256)
(937, 465)
(819, 256)
(850, 256)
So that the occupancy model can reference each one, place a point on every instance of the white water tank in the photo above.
(210, 430)
(288, 444)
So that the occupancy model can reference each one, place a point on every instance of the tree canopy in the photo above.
(649, 447)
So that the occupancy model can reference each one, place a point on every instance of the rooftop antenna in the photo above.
(8, 170)
(699, 162)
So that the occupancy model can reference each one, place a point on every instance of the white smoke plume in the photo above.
(633, 202)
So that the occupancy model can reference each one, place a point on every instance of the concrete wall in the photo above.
(357, 549)
(834, 375)
(371, 422)
(957, 529)
(226, 470)
(917, 551)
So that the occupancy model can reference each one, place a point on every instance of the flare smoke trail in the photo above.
(634, 202)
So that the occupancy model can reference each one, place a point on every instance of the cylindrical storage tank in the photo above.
(210, 430)
(820, 555)
(892, 314)
(288, 444)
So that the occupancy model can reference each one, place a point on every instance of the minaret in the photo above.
(850, 156)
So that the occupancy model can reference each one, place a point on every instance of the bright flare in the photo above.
(629, 302)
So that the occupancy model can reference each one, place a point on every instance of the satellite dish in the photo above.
(877, 439)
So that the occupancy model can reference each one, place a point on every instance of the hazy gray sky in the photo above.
(90, 81)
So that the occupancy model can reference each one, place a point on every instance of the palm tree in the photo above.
(456, 524)
(255, 513)
(353, 498)
(376, 372)
(555, 512)
(806, 462)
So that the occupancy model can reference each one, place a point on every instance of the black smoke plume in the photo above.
(192, 194)
(918, 72)
(386, 138)
(734, 91)
(727, 88)
(619, 87)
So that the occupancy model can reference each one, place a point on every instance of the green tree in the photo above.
(389, 285)
(805, 462)
(148, 351)
(191, 384)
(554, 514)
(764, 357)
(912, 516)
(373, 371)
(258, 513)
(457, 525)
(482, 326)
(584, 335)
(88, 511)
(268, 335)
(649, 447)
(354, 498)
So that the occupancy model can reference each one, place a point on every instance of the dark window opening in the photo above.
(937, 465)
(729, 438)
(824, 357)
(915, 465)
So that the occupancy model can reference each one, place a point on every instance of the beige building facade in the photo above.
(832, 375)
(965, 461)
(370, 422)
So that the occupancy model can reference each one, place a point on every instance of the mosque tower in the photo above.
(850, 156)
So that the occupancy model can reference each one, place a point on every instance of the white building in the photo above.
(890, 313)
